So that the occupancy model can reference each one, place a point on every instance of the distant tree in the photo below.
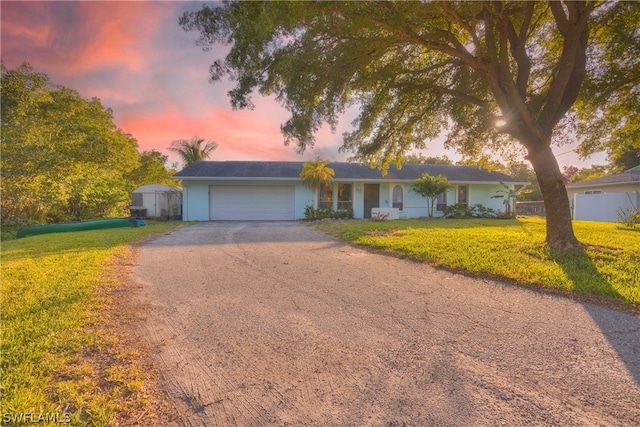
(316, 174)
(152, 170)
(430, 187)
(63, 158)
(193, 150)
(416, 68)
(420, 159)
(574, 174)
(624, 158)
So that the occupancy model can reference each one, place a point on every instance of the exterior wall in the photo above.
(482, 193)
(303, 196)
(358, 209)
(631, 189)
(195, 200)
(415, 206)
(196, 197)
(622, 188)
(156, 202)
(603, 207)
(154, 198)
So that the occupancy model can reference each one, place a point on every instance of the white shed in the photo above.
(600, 199)
(156, 200)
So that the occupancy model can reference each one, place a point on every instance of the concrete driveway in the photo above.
(277, 324)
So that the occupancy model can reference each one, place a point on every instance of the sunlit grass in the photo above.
(51, 312)
(511, 249)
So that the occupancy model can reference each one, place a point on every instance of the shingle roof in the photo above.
(343, 171)
(628, 177)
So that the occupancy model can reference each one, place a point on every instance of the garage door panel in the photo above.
(251, 202)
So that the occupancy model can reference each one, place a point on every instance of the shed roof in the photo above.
(343, 171)
(630, 176)
(151, 188)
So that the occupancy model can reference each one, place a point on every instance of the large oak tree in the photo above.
(416, 68)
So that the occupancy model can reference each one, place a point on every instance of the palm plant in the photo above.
(430, 187)
(316, 173)
(193, 150)
(510, 195)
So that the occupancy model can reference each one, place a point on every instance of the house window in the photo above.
(398, 197)
(345, 196)
(441, 202)
(325, 197)
(593, 192)
(463, 195)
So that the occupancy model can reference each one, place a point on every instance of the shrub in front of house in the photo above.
(481, 211)
(315, 214)
(460, 211)
(379, 216)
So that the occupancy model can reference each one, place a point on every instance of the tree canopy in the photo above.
(63, 158)
(152, 170)
(416, 68)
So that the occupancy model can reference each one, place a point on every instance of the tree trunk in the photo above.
(556, 201)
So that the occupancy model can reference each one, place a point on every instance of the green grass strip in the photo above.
(50, 286)
(511, 249)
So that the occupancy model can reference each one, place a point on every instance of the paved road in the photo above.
(278, 324)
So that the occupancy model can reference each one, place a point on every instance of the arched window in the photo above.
(397, 197)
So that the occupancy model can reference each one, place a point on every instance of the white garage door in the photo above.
(233, 202)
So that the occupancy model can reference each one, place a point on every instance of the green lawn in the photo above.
(511, 249)
(52, 311)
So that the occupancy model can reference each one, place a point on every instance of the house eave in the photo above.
(586, 185)
(230, 178)
(338, 180)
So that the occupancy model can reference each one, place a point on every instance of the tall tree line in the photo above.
(63, 158)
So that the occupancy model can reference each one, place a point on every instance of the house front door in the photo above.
(371, 198)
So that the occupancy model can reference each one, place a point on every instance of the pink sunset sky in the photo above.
(135, 57)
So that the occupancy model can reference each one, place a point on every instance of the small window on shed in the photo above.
(136, 199)
(398, 197)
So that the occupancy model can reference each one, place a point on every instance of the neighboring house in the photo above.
(156, 200)
(246, 190)
(600, 199)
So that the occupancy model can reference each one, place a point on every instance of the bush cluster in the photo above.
(314, 214)
(460, 210)
(379, 216)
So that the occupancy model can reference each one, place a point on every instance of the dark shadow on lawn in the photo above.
(622, 330)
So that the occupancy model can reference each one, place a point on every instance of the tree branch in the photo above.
(572, 65)
(444, 90)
